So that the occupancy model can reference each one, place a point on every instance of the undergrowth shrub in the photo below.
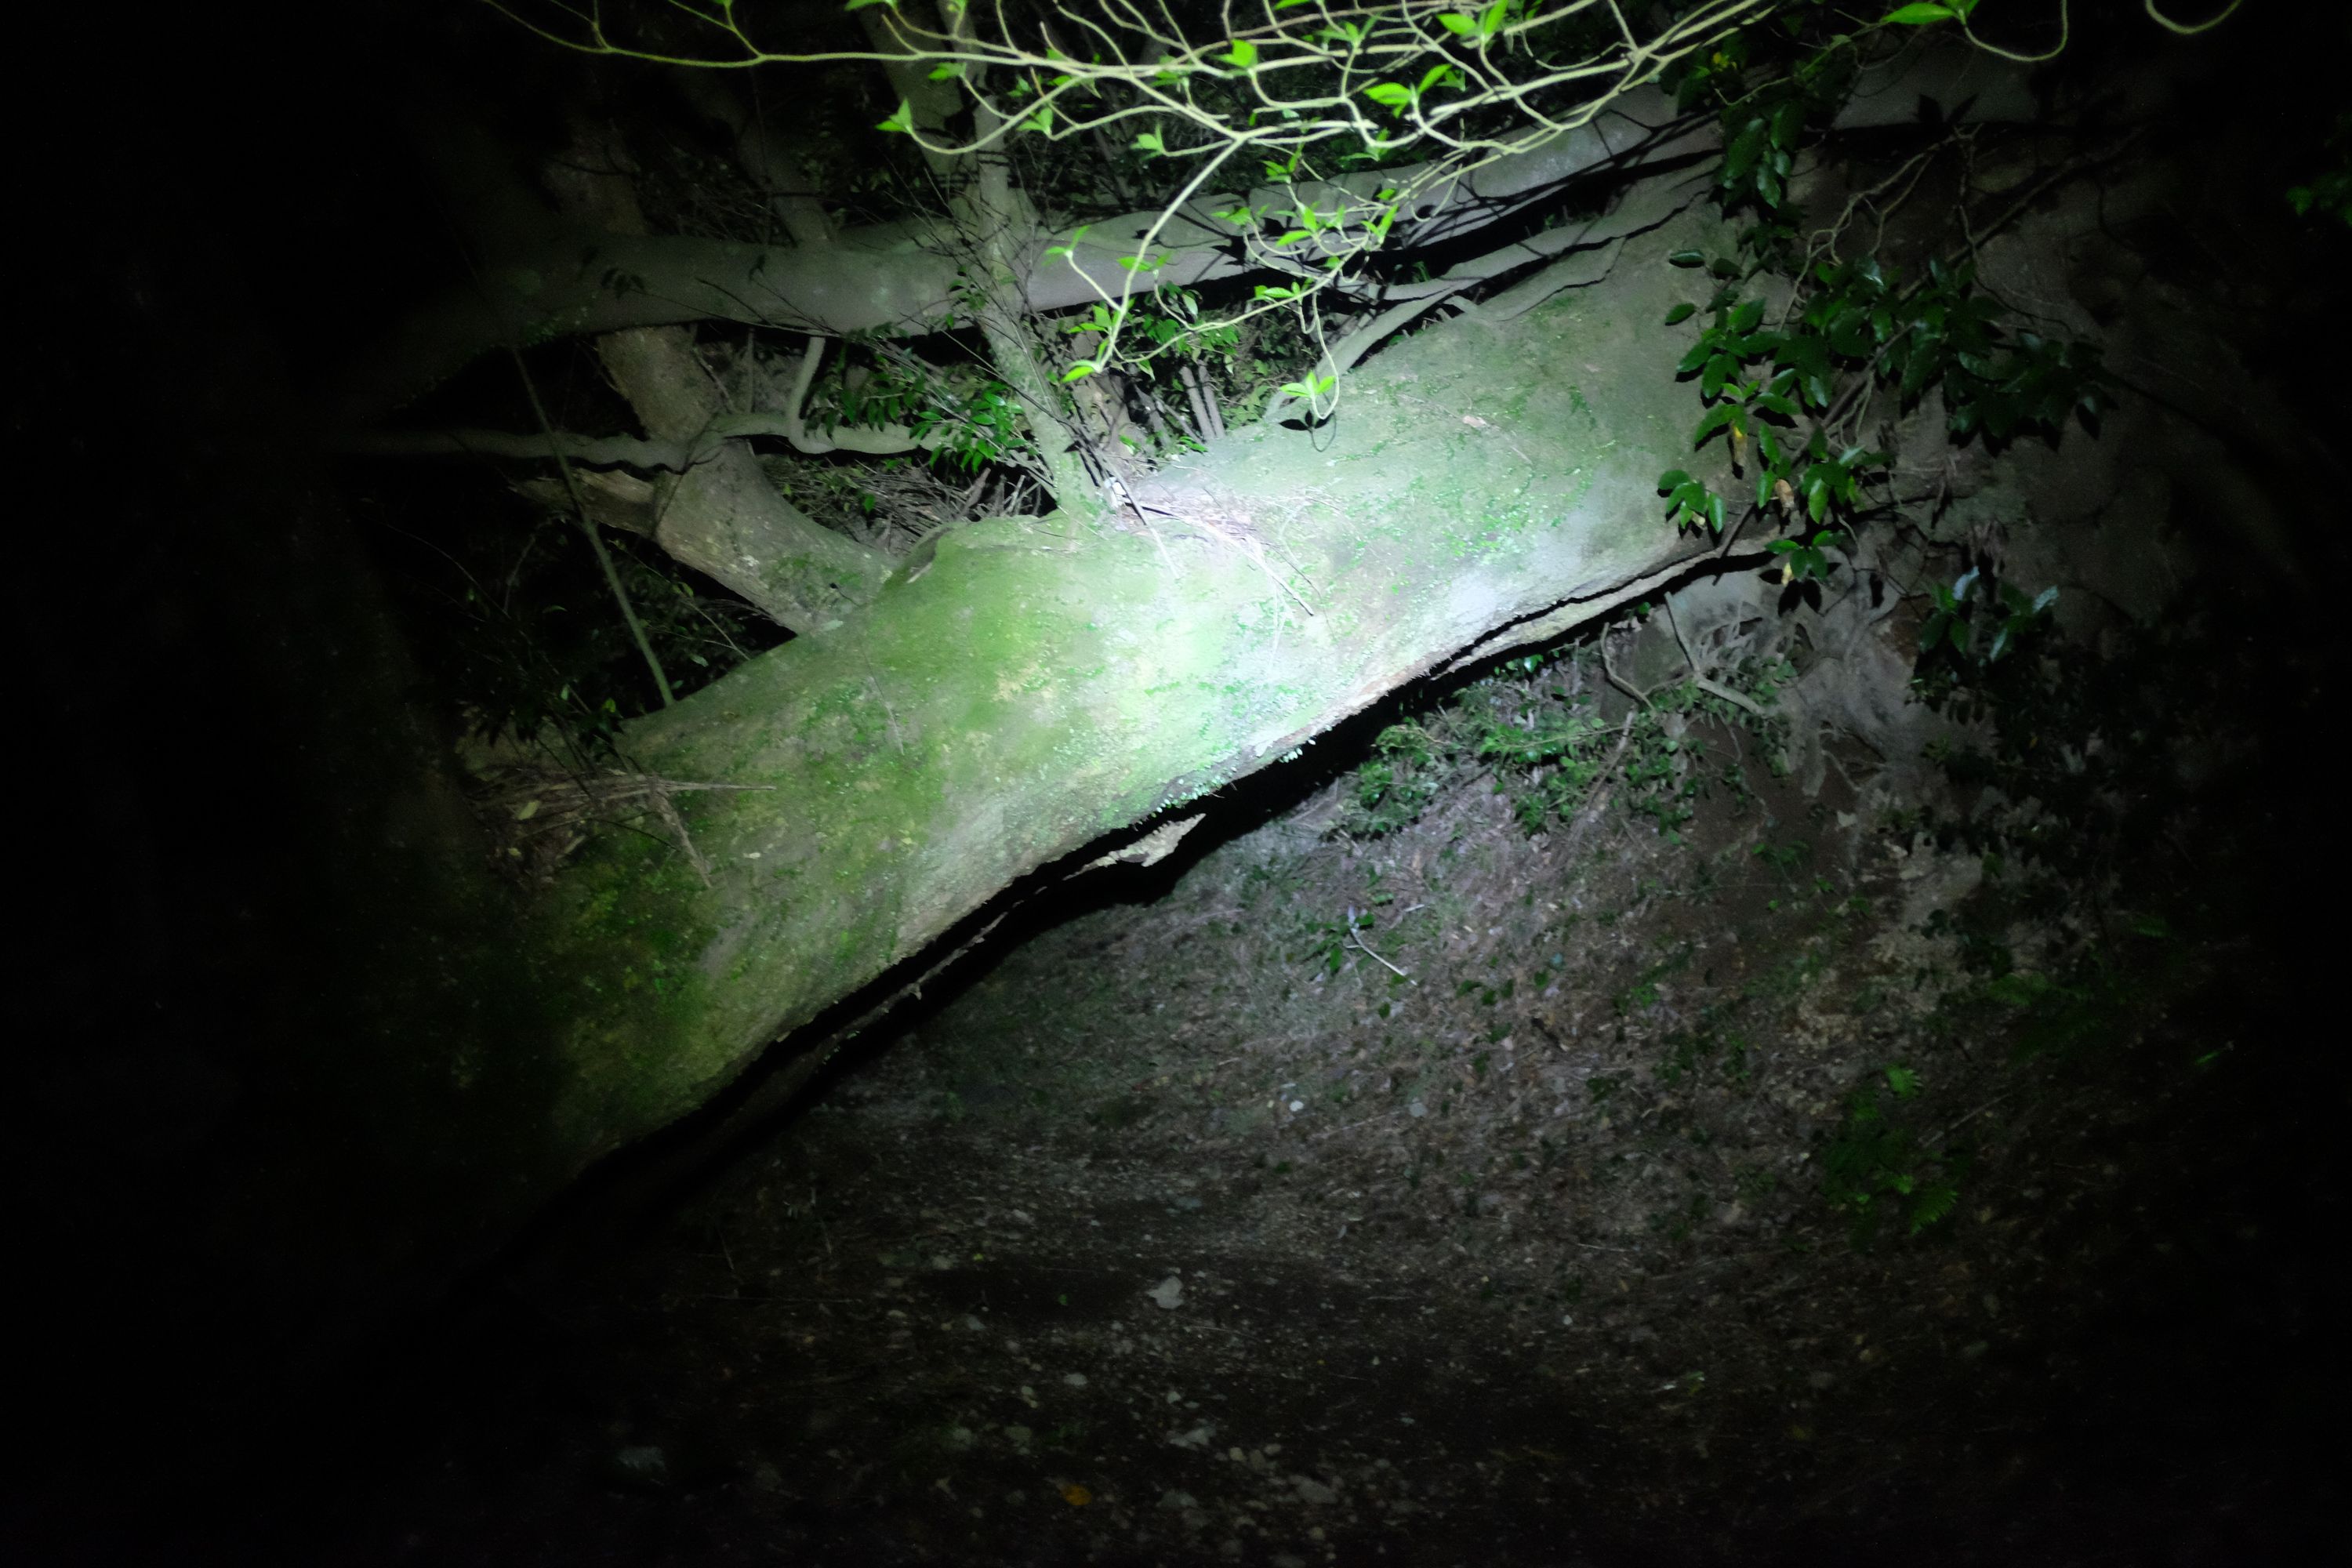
(1535, 726)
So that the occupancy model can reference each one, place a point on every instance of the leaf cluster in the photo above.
(1874, 1166)
(1535, 726)
(967, 418)
(1855, 326)
(1980, 618)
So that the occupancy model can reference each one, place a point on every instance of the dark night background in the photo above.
(219, 207)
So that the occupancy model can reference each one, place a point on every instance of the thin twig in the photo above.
(1698, 679)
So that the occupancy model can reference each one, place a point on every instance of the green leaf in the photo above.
(1740, 158)
(1390, 94)
(903, 122)
(1849, 333)
(1903, 1081)
(1917, 16)
(1718, 416)
(1455, 23)
(1932, 1204)
(1148, 142)
(946, 72)
(1688, 258)
(1242, 56)
(1081, 369)
(1680, 313)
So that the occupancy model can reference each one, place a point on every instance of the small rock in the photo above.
(1169, 1293)
(642, 1465)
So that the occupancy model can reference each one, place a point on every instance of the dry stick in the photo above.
(596, 539)
(1358, 942)
(1617, 680)
(1351, 1126)
(1697, 680)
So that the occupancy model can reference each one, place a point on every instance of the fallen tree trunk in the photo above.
(902, 277)
(444, 1061)
(1035, 687)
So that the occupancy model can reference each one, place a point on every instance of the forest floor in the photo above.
(1458, 1196)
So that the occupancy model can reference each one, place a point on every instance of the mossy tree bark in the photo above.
(1045, 682)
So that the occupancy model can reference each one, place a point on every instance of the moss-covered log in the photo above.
(445, 1059)
(1036, 686)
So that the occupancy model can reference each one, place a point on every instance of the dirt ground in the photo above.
(1455, 1195)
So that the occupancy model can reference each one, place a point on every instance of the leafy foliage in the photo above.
(1536, 725)
(1980, 618)
(1765, 84)
(1777, 385)
(2330, 194)
(970, 418)
(1852, 328)
(1876, 1164)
